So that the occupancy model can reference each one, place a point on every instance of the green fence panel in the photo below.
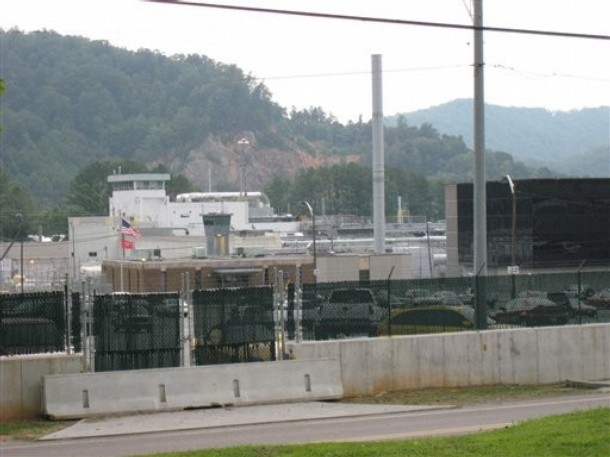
(32, 323)
(135, 331)
(75, 325)
(234, 325)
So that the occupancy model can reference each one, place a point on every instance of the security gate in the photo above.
(134, 331)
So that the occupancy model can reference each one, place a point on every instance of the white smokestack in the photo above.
(378, 158)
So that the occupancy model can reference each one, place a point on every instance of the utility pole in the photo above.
(479, 190)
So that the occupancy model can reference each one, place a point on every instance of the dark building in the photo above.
(558, 223)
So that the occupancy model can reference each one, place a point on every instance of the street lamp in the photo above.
(313, 227)
(20, 218)
(513, 234)
(243, 145)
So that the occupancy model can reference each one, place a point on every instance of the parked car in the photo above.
(349, 312)
(600, 300)
(411, 296)
(467, 296)
(531, 311)
(449, 297)
(574, 306)
(586, 291)
(441, 297)
(429, 319)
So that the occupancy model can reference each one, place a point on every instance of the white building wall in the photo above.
(151, 208)
(347, 267)
(171, 247)
(190, 214)
(397, 264)
(338, 268)
(143, 208)
(94, 239)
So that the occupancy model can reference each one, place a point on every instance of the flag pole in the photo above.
(122, 250)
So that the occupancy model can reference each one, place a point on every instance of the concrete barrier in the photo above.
(322, 370)
(95, 394)
(21, 382)
(514, 356)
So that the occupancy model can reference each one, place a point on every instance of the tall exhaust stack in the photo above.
(378, 158)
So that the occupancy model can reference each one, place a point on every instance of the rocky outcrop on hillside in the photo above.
(217, 165)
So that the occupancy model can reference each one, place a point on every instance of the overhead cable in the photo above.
(386, 20)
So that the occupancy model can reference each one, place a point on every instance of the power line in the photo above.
(524, 73)
(360, 72)
(386, 20)
(535, 75)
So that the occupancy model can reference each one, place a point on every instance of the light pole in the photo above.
(313, 228)
(513, 232)
(243, 145)
(20, 217)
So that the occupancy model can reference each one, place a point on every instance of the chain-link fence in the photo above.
(376, 308)
(243, 324)
(76, 322)
(32, 323)
(133, 331)
(234, 325)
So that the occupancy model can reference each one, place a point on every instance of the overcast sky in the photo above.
(321, 62)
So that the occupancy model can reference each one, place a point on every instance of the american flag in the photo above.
(126, 244)
(128, 229)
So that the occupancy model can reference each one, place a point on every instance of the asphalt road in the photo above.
(355, 428)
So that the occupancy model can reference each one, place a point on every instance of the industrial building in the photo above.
(532, 224)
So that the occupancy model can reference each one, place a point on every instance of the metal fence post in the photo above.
(579, 289)
(389, 286)
(68, 310)
(184, 302)
(298, 307)
(278, 306)
(87, 325)
(480, 301)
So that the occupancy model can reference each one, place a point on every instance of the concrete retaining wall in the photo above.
(93, 394)
(21, 382)
(517, 356)
(322, 370)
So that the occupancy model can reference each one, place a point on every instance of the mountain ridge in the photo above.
(70, 102)
(553, 135)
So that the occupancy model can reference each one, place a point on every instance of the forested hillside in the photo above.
(535, 136)
(71, 103)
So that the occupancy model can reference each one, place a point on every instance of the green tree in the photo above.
(54, 221)
(279, 192)
(347, 189)
(16, 209)
(89, 190)
(177, 184)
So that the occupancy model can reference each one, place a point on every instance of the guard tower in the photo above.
(217, 227)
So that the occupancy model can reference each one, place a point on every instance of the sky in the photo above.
(313, 62)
